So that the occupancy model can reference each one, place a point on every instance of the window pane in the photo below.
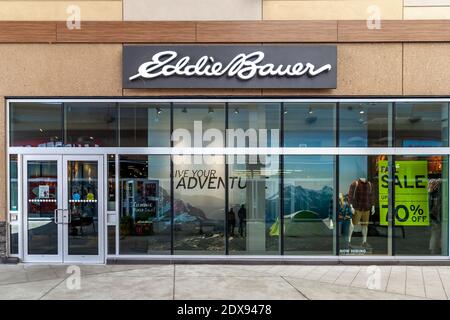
(13, 183)
(260, 124)
(14, 239)
(308, 204)
(421, 124)
(421, 201)
(309, 124)
(111, 239)
(364, 124)
(90, 124)
(199, 205)
(35, 124)
(205, 117)
(363, 205)
(111, 182)
(145, 214)
(254, 206)
(144, 125)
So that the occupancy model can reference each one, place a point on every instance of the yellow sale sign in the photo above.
(411, 193)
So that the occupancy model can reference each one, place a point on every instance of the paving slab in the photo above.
(313, 290)
(397, 280)
(27, 290)
(235, 288)
(332, 274)
(434, 288)
(107, 287)
(347, 276)
(149, 271)
(414, 281)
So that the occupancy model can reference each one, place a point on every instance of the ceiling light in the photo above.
(361, 112)
(236, 111)
(158, 110)
(310, 111)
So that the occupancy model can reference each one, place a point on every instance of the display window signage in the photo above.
(411, 193)
(224, 66)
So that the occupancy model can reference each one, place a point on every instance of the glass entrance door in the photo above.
(63, 209)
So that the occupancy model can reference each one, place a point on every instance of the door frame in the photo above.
(62, 203)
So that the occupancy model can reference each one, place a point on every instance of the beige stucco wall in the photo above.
(427, 9)
(192, 9)
(426, 69)
(59, 10)
(331, 9)
(113, 10)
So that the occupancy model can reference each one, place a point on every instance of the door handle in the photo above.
(55, 216)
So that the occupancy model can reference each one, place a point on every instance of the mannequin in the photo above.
(361, 199)
(435, 204)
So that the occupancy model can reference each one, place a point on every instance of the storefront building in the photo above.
(316, 138)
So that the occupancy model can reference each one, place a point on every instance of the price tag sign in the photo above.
(411, 193)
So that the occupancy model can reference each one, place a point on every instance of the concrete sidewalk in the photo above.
(224, 282)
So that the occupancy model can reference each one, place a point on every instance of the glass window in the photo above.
(421, 124)
(112, 240)
(199, 206)
(254, 206)
(42, 188)
(197, 125)
(421, 202)
(145, 210)
(144, 125)
(36, 124)
(308, 205)
(364, 124)
(363, 205)
(14, 239)
(90, 124)
(260, 124)
(309, 124)
(111, 182)
(13, 183)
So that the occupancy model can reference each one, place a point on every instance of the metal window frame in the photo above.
(391, 151)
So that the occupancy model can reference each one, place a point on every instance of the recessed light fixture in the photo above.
(41, 130)
(361, 111)
(236, 111)
(158, 110)
(310, 110)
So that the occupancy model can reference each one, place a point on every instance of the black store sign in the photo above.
(223, 66)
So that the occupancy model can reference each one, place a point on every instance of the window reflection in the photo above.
(308, 205)
(421, 200)
(364, 124)
(421, 124)
(90, 124)
(254, 206)
(145, 212)
(309, 124)
(144, 125)
(35, 124)
(199, 207)
(362, 205)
